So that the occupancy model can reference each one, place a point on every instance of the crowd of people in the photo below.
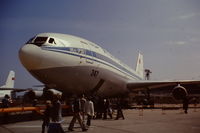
(83, 111)
(104, 108)
(52, 112)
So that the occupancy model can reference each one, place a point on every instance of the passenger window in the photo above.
(88, 52)
(94, 54)
(75, 50)
(81, 51)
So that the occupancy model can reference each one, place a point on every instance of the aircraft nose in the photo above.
(30, 56)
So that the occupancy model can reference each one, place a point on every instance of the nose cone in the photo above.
(30, 56)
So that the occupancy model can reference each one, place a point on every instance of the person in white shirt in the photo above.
(89, 110)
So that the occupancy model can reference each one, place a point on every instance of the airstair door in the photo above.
(88, 52)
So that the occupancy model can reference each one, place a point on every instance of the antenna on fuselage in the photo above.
(147, 74)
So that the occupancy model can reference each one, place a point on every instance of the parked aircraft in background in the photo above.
(30, 93)
(6, 89)
(74, 65)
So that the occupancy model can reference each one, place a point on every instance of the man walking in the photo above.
(77, 115)
(46, 116)
(56, 109)
(89, 110)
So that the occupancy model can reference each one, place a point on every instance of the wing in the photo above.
(15, 89)
(141, 85)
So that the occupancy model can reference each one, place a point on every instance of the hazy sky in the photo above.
(167, 32)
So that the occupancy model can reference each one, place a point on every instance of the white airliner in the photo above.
(74, 65)
(8, 86)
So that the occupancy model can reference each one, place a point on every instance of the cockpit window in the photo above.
(52, 41)
(40, 40)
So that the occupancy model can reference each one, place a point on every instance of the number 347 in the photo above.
(94, 73)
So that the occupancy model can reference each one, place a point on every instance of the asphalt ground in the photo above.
(136, 121)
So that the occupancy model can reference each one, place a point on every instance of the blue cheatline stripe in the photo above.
(117, 66)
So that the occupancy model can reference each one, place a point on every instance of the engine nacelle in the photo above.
(37, 94)
(179, 92)
(33, 94)
(50, 93)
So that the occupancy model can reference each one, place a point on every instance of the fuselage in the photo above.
(74, 65)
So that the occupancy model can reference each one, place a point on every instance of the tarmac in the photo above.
(136, 121)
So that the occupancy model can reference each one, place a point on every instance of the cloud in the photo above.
(187, 16)
(190, 41)
(180, 43)
(195, 40)
(177, 43)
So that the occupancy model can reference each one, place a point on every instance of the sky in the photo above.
(166, 32)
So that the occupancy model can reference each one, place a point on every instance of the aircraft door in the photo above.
(82, 55)
(88, 53)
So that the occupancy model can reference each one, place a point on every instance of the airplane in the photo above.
(8, 85)
(74, 65)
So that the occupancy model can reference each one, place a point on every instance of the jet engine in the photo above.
(33, 94)
(50, 93)
(179, 92)
(37, 94)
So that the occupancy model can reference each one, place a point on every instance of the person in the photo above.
(89, 109)
(6, 101)
(35, 101)
(185, 105)
(56, 109)
(56, 116)
(107, 109)
(76, 115)
(83, 101)
(99, 108)
(119, 110)
(46, 115)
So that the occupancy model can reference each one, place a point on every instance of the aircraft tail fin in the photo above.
(140, 66)
(10, 80)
